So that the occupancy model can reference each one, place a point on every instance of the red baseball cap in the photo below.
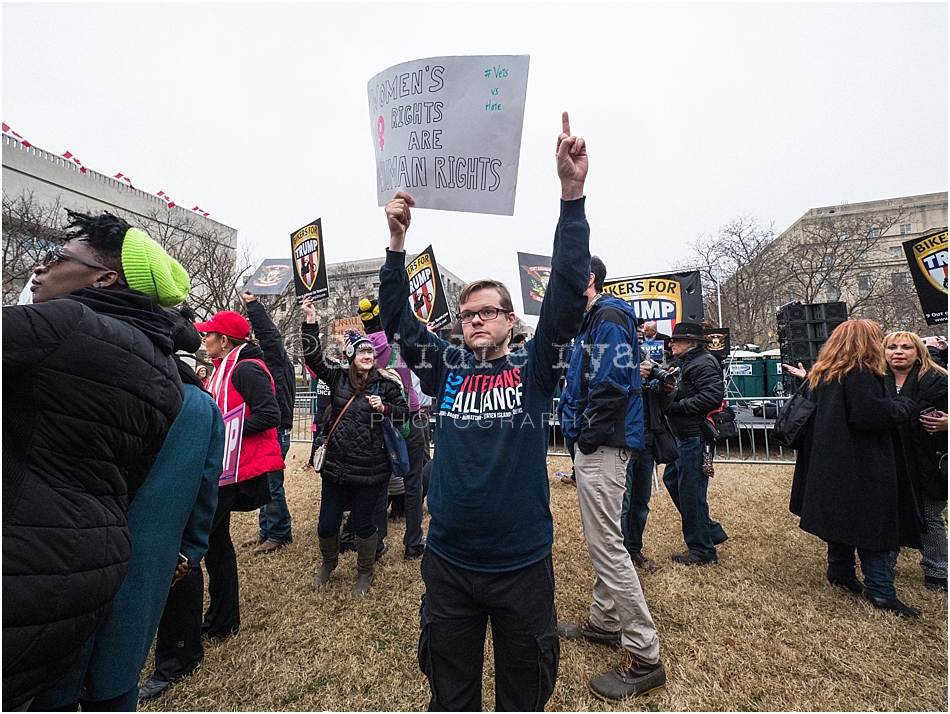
(227, 323)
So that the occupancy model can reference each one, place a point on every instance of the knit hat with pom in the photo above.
(355, 341)
(369, 314)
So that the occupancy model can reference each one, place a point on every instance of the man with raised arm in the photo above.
(488, 554)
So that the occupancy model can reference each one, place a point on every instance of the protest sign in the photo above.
(447, 131)
(535, 271)
(653, 349)
(233, 430)
(271, 277)
(339, 327)
(927, 259)
(310, 268)
(665, 299)
(427, 296)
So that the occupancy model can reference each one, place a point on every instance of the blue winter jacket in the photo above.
(602, 404)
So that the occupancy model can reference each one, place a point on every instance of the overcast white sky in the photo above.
(693, 113)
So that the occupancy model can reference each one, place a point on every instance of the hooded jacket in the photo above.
(90, 391)
(603, 404)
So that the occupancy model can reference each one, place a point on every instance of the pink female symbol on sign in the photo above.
(380, 129)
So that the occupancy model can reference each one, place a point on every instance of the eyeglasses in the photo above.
(57, 253)
(486, 313)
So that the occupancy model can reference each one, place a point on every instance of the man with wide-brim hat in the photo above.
(699, 390)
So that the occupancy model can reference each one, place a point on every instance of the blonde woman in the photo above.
(846, 487)
(913, 374)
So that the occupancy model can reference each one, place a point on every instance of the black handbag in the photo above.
(720, 424)
(789, 429)
(664, 444)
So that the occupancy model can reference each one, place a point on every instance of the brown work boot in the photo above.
(267, 547)
(253, 542)
(631, 678)
(588, 632)
(641, 561)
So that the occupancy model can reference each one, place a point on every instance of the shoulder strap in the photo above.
(340, 416)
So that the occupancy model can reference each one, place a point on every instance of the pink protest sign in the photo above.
(233, 427)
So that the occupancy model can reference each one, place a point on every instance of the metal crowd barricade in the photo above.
(305, 406)
(753, 444)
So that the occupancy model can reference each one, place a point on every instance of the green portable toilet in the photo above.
(745, 375)
(773, 371)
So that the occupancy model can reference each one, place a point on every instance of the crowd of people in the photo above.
(116, 484)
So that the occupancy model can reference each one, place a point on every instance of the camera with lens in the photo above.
(662, 376)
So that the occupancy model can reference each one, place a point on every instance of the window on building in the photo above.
(828, 260)
(831, 292)
(864, 285)
(863, 255)
(905, 229)
(898, 280)
(896, 251)
(842, 236)
(874, 233)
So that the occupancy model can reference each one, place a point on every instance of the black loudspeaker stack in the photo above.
(803, 329)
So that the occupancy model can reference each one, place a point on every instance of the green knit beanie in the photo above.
(149, 269)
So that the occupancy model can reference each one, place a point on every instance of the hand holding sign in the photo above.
(571, 161)
(399, 217)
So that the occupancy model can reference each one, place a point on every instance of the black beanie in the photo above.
(184, 334)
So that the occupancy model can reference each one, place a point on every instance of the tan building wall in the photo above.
(917, 215)
(51, 179)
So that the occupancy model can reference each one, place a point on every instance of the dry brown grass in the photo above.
(762, 630)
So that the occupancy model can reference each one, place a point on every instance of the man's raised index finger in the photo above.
(565, 124)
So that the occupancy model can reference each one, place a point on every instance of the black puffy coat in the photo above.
(847, 487)
(89, 392)
(356, 451)
(699, 390)
(921, 449)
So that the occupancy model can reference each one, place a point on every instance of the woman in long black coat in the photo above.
(847, 488)
(913, 374)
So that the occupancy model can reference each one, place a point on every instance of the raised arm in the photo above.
(424, 353)
(313, 353)
(562, 310)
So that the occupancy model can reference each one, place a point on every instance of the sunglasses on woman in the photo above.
(57, 253)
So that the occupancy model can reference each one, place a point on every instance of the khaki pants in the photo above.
(618, 598)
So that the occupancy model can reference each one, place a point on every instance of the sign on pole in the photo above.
(447, 131)
(310, 268)
(271, 277)
(427, 295)
(535, 271)
(927, 259)
(233, 430)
